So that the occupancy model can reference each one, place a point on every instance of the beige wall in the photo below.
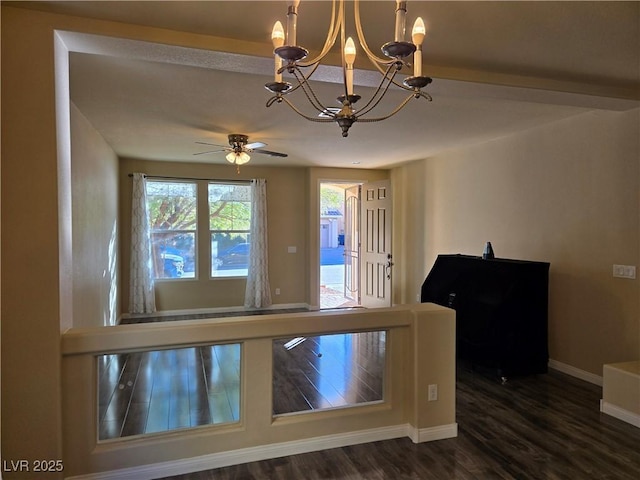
(31, 395)
(94, 196)
(287, 213)
(293, 221)
(565, 193)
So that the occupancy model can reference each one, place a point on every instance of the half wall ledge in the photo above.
(420, 351)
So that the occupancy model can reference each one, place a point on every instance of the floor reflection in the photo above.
(156, 391)
(327, 371)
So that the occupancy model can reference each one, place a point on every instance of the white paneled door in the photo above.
(376, 261)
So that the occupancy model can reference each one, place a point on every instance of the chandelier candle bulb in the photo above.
(277, 37)
(417, 36)
(349, 58)
(401, 16)
(292, 23)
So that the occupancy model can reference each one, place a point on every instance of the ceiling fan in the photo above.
(239, 149)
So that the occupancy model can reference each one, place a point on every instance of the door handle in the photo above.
(388, 266)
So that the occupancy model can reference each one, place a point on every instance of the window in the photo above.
(172, 207)
(350, 372)
(147, 391)
(229, 224)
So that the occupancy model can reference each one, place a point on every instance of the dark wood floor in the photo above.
(538, 427)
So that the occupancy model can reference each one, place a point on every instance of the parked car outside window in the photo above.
(236, 255)
(173, 263)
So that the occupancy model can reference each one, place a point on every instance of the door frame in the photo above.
(344, 185)
(316, 176)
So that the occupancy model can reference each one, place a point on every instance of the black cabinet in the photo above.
(501, 310)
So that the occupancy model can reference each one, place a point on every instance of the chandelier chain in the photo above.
(380, 91)
(396, 110)
(311, 119)
(308, 91)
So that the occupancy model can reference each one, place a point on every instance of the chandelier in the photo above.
(290, 58)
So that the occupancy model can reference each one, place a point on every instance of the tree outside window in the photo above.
(229, 224)
(172, 210)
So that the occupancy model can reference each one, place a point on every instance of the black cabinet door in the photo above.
(501, 310)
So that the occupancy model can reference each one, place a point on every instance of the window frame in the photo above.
(232, 232)
(157, 232)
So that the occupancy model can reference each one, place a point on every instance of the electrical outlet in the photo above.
(433, 392)
(277, 291)
(624, 271)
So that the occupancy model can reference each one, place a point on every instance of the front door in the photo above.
(375, 254)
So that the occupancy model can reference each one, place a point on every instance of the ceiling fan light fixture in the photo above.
(239, 149)
(238, 158)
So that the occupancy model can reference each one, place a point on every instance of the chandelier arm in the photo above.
(375, 60)
(396, 110)
(276, 98)
(424, 95)
(414, 94)
(342, 53)
(402, 86)
(306, 77)
(404, 64)
(381, 90)
(311, 119)
(332, 34)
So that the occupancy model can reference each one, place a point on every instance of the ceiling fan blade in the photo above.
(270, 153)
(212, 144)
(253, 145)
(212, 151)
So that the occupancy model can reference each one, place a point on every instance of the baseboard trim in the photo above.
(431, 434)
(620, 413)
(265, 452)
(575, 372)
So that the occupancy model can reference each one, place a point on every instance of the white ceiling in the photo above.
(498, 68)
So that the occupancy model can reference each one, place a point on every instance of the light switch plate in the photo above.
(624, 271)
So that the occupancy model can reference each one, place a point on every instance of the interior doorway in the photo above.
(339, 245)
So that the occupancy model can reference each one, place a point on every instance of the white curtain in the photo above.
(258, 292)
(141, 286)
